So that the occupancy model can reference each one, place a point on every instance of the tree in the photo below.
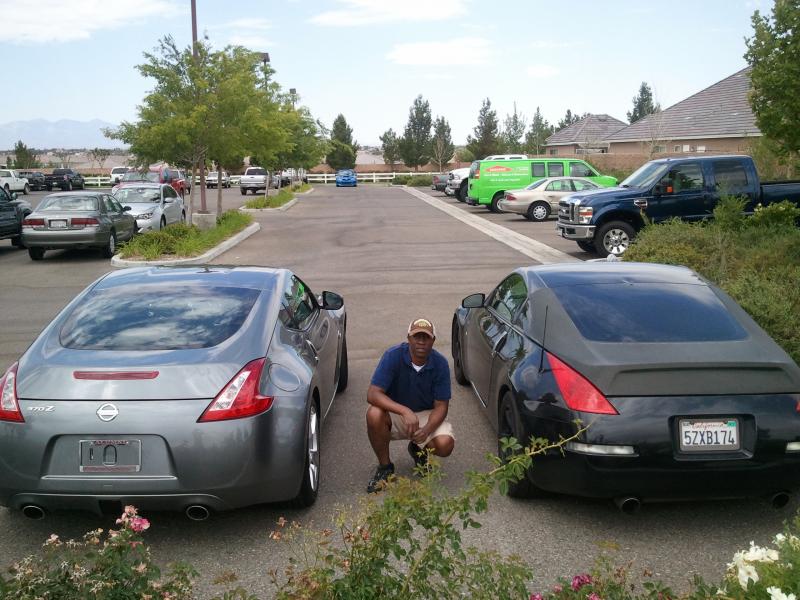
(536, 138)
(486, 140)
(390, 147)
(99, 156)
(774, 55)
(463, 155)
(415, 146)
(643, 104)
(24, 158)
(442, 146)
(343, 149)
(568, 120)
(513, 132)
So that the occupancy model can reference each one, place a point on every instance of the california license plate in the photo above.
(58, 224)
(709, 435)
(110, 456)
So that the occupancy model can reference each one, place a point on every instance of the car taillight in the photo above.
(28, 222)
(85, 222)
(510, 196)
(577, 391)
(240, 398)
(9, 406)
(477, 174)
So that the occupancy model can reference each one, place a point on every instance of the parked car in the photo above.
(682, 394)
(346, 177)
(540, 199)
(117, 173)
(457, 183)
(213, 176)
(191, 389)
(153, 205)
(12, 212)
(11, 181)
(439, 181)
(35, 179)
(85, 219)
(489, 180)
(506, 157)
(155, 175)
(254, 179)
(187, 180)
(66, 179)
(606, 221)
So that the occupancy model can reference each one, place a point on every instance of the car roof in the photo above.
(582, 273)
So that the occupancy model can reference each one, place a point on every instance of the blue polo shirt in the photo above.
(403, 384)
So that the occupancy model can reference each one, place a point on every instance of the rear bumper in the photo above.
(79, 238)
(573, 231)
(513, 207)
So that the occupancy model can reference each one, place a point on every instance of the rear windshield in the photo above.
(256, 171)
(152, 176)
(68, 203)
(126, 195)
(154, 318)
(652, 312)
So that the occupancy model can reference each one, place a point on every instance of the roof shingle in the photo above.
(590, 129)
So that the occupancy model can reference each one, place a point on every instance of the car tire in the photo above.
(162, 224)
(458, 361)
(36, 253)
(586, 246)
(243, 192)
(311, 465)
(69, 186)
(183, 217)
(614, 238)
(344, 370)
(26, 190)
(17, 240)
(462, 192)
(110, 248)
(493, 206)
(538, 211)
(508, 426)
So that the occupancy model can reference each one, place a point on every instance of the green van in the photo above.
(489, 179)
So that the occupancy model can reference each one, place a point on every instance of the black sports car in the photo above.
(684, 395)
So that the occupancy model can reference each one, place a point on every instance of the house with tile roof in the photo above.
(586, 136)
(717, 119)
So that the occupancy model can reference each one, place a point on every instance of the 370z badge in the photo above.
(41, 408)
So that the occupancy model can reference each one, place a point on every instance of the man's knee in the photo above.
(377, 418)
(443, 445)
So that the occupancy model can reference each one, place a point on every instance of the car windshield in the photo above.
(137, 176)
(116, 170)
(129, 195)
(68, 203)
(345, 172)
(212, 174)
(536, 184)
(645, 176)
(652, 312)
(156, 317)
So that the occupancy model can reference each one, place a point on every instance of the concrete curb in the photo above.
(286, 206)
(226, 245)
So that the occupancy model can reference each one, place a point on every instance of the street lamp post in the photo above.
(202, 161)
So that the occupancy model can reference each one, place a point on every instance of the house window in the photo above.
(677, 148)
(659, 149)
(553, 151)
(701, 148)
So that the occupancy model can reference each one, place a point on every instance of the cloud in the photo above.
(541, 71)
(367, 12)
(458, 51)
(48, 21)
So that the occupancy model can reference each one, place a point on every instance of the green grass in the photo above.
(184, 241)
(279, 199)
(413, 180)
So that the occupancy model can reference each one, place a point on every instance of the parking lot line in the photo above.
(531, 248)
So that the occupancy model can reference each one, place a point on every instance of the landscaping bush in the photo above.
(754, 259)
(180, 240)
(279, 199)
(413, 180)
(401, 179)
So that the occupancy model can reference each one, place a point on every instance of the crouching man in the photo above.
(408, 400)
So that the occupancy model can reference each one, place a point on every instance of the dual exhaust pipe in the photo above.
(195, 512)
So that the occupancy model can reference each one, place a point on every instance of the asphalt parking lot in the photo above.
(393, 257)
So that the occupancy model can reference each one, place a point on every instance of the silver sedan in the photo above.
(540, 199)
(83, 219)
(193, 389)
(153, 205)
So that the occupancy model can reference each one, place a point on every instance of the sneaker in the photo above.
(418, 455)
(379, 479)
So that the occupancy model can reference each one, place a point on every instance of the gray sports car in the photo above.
(192, 389)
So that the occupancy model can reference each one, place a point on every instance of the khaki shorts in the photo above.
(399, 427)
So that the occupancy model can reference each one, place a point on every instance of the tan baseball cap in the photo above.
(422, 326)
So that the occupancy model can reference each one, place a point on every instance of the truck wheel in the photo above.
(586, 246)
(613, 238)
(243, 191)
(26, 189)
(36, 253)
(538, 211)
(495, 200)
(462, 192)
(17, 241)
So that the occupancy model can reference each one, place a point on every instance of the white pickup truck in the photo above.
(254, 178)
(11, 182)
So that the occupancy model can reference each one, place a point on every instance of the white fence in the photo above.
(367, 177)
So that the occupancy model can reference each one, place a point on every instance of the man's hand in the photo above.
(419, 436)
(411, 421)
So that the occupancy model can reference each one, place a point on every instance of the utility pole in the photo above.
(202, 165)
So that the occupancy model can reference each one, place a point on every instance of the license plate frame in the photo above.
(94, 456)
(58, 223)
(695, 431)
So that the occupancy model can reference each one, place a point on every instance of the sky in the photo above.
(369, 59)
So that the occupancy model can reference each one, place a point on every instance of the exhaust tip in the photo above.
(779, 499)
(33, 512)
(629, 505)
(197, 512)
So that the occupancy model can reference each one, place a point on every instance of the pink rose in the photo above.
(139, 524)
(536, 597)
(581, 580)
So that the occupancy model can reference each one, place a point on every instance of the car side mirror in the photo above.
(473, 301)
(169, 200)
(126, 208)
(332, 301)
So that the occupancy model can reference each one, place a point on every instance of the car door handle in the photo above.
(499, 342)
(640, 202)
(313, 349)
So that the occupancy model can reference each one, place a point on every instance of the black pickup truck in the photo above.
(606, 220)
(66, 179)
(12, 213)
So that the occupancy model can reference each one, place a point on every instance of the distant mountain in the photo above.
(43, 134)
